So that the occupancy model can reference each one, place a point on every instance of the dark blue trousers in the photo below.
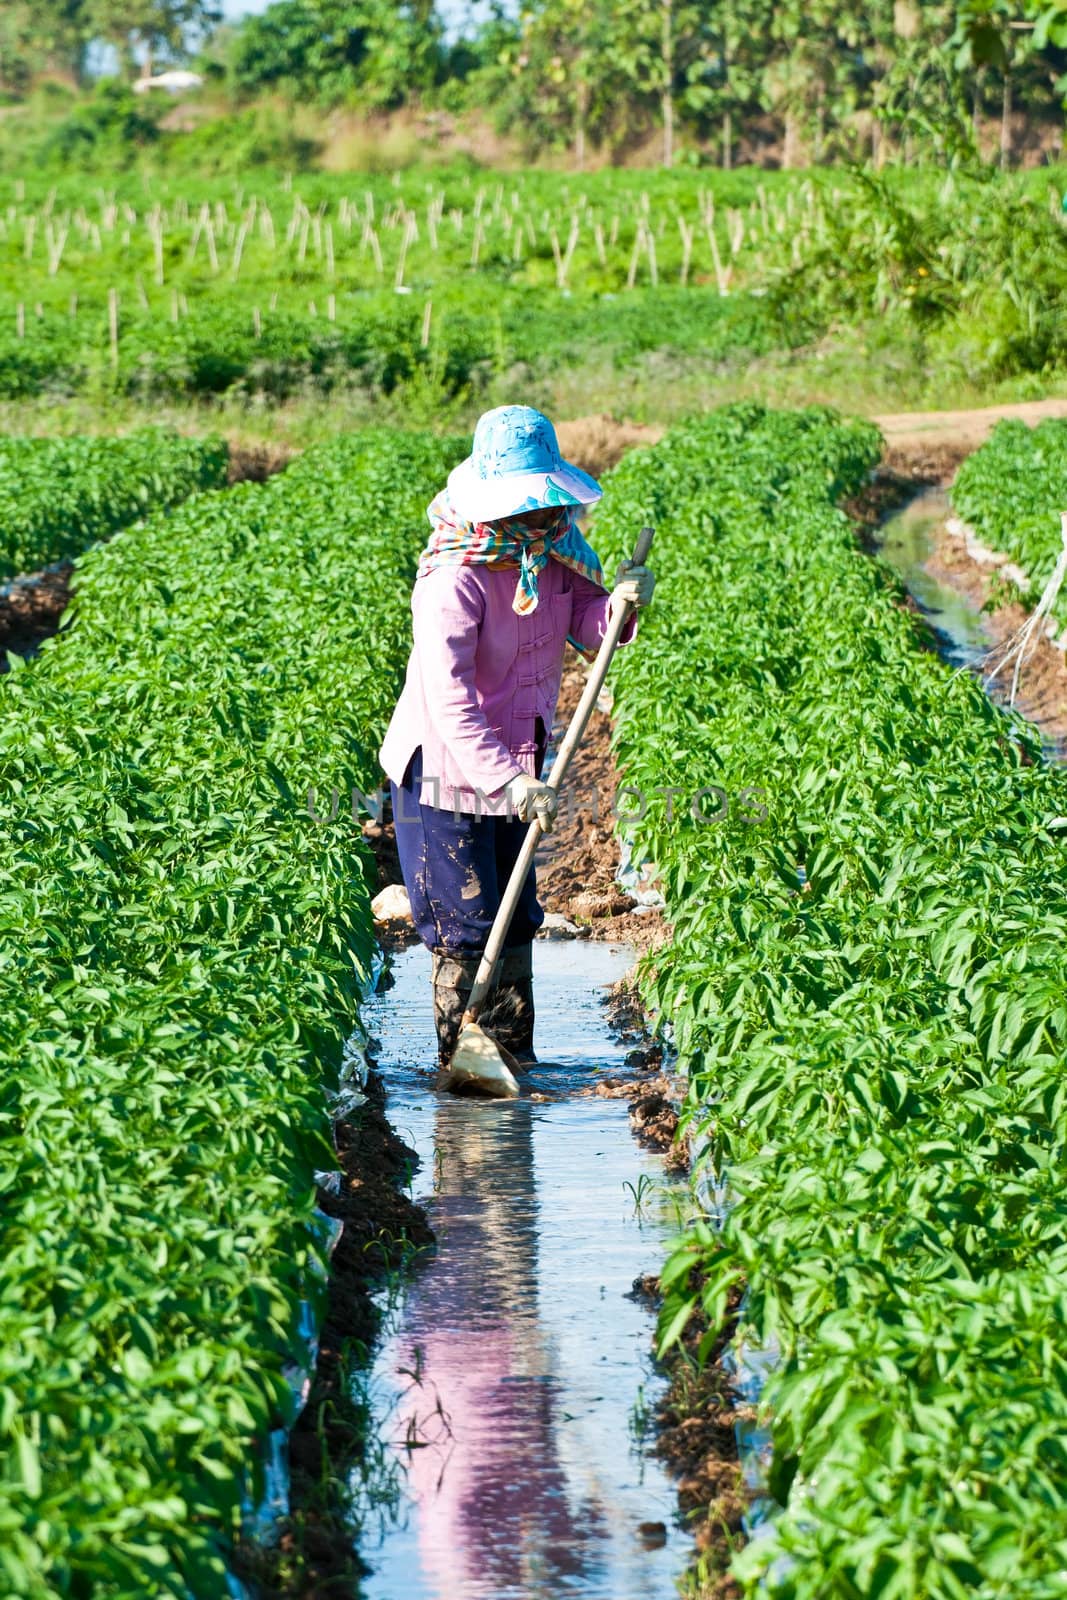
(456, 869)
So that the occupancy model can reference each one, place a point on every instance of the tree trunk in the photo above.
(581, 108)
(789, 148)
(976, 111)
(727, 140)
(1005, 120)
(128, 57)
(667, 98)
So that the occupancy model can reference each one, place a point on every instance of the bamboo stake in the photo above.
(722, 274)
(238, 249)
(572, 240)
(631, 275)
(1022, 644)
(687, 249)
(427, 315)
(650, 247)
(54, 244)
(557, 257)
(408, 235)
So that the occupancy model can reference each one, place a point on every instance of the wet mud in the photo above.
(31, 609)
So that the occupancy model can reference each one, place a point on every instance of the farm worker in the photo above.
(504, 580)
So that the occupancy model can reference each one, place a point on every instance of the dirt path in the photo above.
(943, 438)
(951, 435)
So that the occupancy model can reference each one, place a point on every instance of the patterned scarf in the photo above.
(509, 542)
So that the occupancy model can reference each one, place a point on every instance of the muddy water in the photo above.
(907, 543)
(514, 1389)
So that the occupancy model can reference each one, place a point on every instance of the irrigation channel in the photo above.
(515, 1384)
(906, 543)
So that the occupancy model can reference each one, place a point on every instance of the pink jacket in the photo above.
(480, 675)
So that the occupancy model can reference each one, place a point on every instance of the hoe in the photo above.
(479, 1065)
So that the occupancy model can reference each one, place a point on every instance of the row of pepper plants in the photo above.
(58, 495)
(423, 350)
(866, 991)
(186, 941)
(1012, 491)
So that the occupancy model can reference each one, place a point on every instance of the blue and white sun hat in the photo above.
(516, 466)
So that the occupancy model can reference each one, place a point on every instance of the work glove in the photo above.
(633, 585)
(530, 798)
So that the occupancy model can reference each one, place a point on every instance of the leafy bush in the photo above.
(57, 495)
(1012, 491)
(185, 951)
(979, 266)
(865, 984)
(109, 127)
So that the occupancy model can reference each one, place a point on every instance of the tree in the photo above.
(1001, 34)
(41, 36)
(372, 51)
(663, 48)
(152, 25)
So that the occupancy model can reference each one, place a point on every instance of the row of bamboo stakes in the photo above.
(209, 231)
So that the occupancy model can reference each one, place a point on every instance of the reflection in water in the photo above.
(511, 1384)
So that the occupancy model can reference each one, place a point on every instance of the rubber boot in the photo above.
(453, 980)
(509, 1014)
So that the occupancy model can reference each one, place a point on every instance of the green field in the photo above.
(311, 303)
(862, 988)
(865, 989)
(186, 950)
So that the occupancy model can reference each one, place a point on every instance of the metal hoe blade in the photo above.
(479, 1066)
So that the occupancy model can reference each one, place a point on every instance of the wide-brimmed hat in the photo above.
(516, 466)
